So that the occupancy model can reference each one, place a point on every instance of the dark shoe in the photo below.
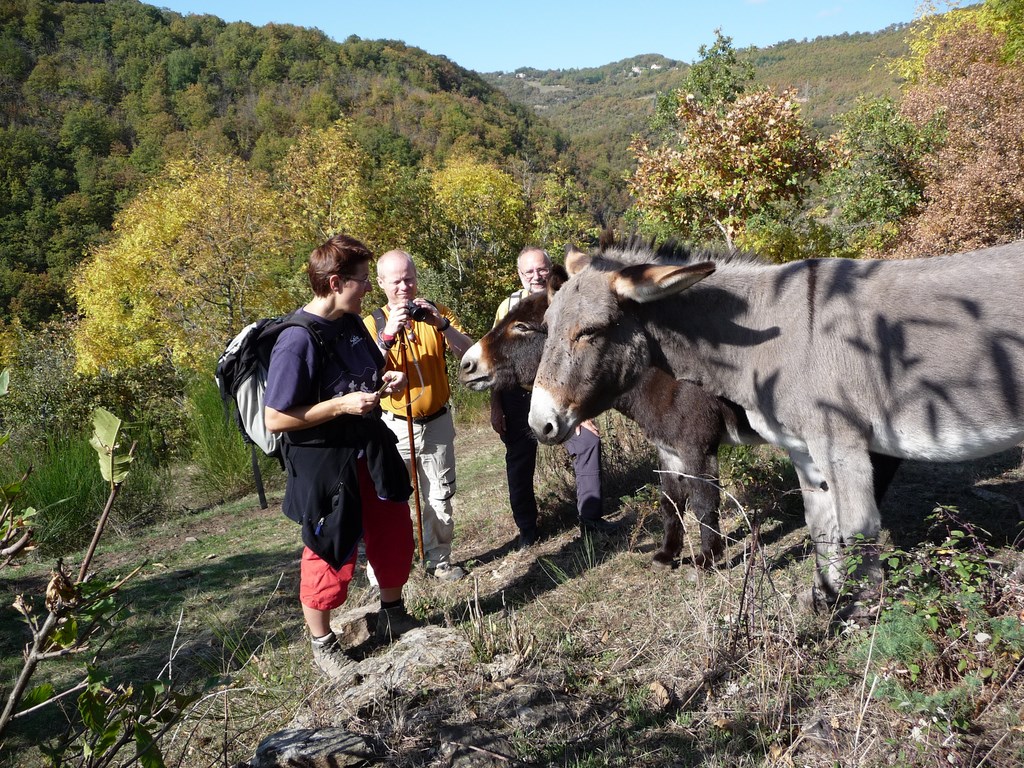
(600, 525)
(392, 623)
(331, 659)
(527, 539)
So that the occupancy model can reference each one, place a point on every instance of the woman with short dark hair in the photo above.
(346, 478)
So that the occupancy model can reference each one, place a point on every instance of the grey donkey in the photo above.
(831, 359)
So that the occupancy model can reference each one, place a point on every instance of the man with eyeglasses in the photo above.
(510, 410)
(415, 334)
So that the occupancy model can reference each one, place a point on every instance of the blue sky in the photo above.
(492, 35)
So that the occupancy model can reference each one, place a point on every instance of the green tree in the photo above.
(723, 166)
(716, 79)
(204, 251)
(877, 173)
(561, 213)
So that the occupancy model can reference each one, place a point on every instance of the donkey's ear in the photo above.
(575, 260)
(556, 279)
(650, 282)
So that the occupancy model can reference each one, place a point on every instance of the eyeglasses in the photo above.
(364, 280)
(539, 272)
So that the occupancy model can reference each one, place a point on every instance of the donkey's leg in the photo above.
(689, 475)
(671, 505)
(846, 468)
(675, 492)
(705, 499)
(822, 525)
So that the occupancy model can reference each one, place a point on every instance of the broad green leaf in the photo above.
(66, 634)
(114, 460)
(37, 695)
(5, 381)
(149, 753)
(93, 712)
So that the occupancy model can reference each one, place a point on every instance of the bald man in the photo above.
(420, 346)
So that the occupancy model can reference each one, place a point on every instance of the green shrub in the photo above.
(761, 477)
(947, 629)
(223, 459)
(48, 397)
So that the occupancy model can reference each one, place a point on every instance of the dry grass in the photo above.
(584, 655)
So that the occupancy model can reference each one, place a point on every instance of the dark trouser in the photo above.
(521, 461)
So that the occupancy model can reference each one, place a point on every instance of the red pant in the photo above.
(387, 532)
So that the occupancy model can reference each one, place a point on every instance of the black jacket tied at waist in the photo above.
(323, 485)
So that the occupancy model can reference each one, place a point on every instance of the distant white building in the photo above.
(655, 66)
(636, 70)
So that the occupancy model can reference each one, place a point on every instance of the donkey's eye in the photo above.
(520, 327)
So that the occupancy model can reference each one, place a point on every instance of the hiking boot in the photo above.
(392, 623)
(331, 659)
(446, 572)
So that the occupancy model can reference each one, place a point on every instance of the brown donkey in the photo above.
(681, 420)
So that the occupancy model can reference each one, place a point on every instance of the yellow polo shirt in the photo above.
(428, 373)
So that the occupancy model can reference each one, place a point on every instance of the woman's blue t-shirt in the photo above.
(300, 374)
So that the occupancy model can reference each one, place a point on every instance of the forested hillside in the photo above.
(96, 97)
(600, 108)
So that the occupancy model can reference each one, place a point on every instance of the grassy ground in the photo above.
(642, 667)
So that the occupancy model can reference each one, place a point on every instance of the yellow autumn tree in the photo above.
(325, 174)
(204, 251)
(478, 226)
(334, 186)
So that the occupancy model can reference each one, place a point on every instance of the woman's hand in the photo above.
(394, 381)
(355, 403)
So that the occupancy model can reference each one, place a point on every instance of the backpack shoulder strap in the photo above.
(297, 319)
(379, 320)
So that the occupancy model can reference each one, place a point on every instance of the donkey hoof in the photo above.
(812, 601)
(663, 560)
(705, 561)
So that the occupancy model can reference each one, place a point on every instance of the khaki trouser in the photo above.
(434, 443)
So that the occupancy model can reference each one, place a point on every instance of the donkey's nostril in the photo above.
(549, 429)
(468, 366)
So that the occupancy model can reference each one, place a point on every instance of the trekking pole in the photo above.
(414, 472)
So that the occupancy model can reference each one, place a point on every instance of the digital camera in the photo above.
(416, 312)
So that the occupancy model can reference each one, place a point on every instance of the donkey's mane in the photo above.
(639, 250)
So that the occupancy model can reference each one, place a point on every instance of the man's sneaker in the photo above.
(599, 525)
(332, 660)
(446, 572)
(392, 623)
